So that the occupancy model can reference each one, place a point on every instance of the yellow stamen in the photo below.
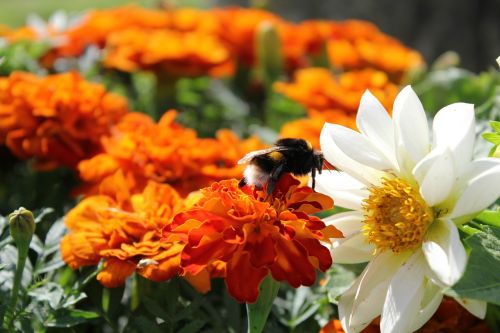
(396, 216)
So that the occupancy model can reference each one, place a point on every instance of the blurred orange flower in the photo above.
(124, 230)
(99, 24)
(58, 119)
(165, 152)
(178, 53)
(254, 236)
(238, 27)
(310, 128)
(359, 44)
(332, 99)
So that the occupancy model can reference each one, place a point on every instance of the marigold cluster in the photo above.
(333, 99)
(124, 230)
(137, 38)
(165, 152)
(253, 236)
(58, 119)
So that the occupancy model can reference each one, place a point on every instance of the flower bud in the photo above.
(22, 228)
(269, 53)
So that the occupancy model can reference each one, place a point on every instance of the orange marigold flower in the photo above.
(99, 24)
(320, 91)
(360, 44)
(58, 119)
(239, 26)
(165, 152)
(332, 99)
(178, 53)
(124, 230)
(310, 128)
(254, 236)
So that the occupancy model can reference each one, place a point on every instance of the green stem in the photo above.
(9, 314)
(259, 311)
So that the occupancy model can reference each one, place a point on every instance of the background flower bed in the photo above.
(234, 76)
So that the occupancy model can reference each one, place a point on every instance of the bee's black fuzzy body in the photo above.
(295, 156)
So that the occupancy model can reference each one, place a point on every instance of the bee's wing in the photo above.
(255, 153)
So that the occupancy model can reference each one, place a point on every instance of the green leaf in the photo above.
(259, 311)
(495, 125)
(340, 279)
(193, 327)
(70, 318)
(147, 325)
(492, 137)
(490, 217)
(156, 309)
(480, 280)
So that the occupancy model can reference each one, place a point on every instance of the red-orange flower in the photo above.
(165, 152)
(255, 237)
(58, 119)
(124, 230)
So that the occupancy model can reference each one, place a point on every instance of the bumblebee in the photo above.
(295, 156)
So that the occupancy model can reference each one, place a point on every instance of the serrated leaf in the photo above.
(70, 318)
(55, 234)
(340, 279)
(36, 245)
(8, 256)
(55, 263)
(481, 280)
(49, 292)
(73, 299)
(42, 213)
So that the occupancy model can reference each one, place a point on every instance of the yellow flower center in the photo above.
(396, 216)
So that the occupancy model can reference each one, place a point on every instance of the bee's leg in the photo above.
(273, 179)
(313, 176)
(242, 182)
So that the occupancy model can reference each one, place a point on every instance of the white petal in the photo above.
(444, 252)
(374, 121)
(480, 192)
(439, 179)
(358, 147)
(476, 307)
(411, 130)
(404, 296)
(349, 223)
(346, 302)
(353, 250)
(375, 279)
(430, 303)
(340, 160)
(346, 191)
(454, 127)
